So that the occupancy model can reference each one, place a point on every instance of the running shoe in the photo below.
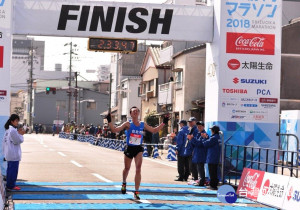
(15, 188)
(137, 195)
(123, 188)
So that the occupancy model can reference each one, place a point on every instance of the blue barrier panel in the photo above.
(120, 197)
(114, 189)
(106, 184)
(47, 206)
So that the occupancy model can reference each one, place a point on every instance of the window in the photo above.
(61, 104)
(139, 91)
(91, 105)
(178, 80)
(151, 85)
(143, 89)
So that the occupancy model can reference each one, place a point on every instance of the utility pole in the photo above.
(75, 94)
(30, 62)
(30, 84)
(110, 84)
(70, 74)
(70, 78)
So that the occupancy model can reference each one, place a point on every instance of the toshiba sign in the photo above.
(246, 43)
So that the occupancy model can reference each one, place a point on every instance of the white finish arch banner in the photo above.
(75, 18)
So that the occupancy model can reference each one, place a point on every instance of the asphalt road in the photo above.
(49, 159)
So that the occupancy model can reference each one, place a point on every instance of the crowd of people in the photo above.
(90, 129)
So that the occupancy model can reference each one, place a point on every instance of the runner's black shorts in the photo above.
(132, 151)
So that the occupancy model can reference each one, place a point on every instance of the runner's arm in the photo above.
(154, 130)
(114, 129)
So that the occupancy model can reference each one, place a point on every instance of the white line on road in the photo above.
(75, 163)
(45, 145)
(156, 161)
(62, 154)
(51, 149)
(101, 177)
(140, 201)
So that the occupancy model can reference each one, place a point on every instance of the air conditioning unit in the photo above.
(150, 94)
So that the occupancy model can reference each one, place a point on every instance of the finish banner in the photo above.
(74, 18)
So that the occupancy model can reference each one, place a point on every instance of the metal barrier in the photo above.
(114, 144)
(238, 157)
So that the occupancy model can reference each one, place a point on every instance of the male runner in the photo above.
(134, 148)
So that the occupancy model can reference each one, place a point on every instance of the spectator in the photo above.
(213, 156)
(193, 135)
(36, 128)
(92, 130)
(12, 150)
(199, 153)
(53, 129)
(182, 153)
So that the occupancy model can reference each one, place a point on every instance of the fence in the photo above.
(237, 157)
(117, 144)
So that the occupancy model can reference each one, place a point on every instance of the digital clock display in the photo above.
(112, 45)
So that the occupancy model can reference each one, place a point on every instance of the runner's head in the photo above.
(134, 111)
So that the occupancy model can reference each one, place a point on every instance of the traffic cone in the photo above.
(155, 153)
(173, 154)
(145, 154)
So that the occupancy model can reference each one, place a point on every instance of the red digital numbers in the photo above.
(119, 45)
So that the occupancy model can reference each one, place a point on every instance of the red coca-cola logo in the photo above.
(233, 64)
(290, 193)
(246, 43)
(252, 42)
(266, 186)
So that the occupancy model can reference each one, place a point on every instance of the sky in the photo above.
(85, 60)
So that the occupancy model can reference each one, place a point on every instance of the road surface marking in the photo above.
(156, 161)
(51, 149)
(75, 163)
(45, 145)
(62, 154)
(101, 177)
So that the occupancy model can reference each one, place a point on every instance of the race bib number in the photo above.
(135, 139)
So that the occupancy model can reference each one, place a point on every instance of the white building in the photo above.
(103, 73)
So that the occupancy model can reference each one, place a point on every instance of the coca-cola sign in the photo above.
(246, 43)
(250, 183)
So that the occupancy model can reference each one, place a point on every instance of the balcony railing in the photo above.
(165, 93)
(178, 85)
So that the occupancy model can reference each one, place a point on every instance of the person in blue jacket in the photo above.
(183, 152)
(199, 152)
(193, 135)
(213, 156)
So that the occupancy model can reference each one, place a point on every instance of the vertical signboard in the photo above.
(5, 56)
(243, 71)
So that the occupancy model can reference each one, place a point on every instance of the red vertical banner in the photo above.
(1, 56)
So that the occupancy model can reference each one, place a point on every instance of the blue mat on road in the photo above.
(104, 184)
(47, 206)
(119, 197)
(113, 189)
